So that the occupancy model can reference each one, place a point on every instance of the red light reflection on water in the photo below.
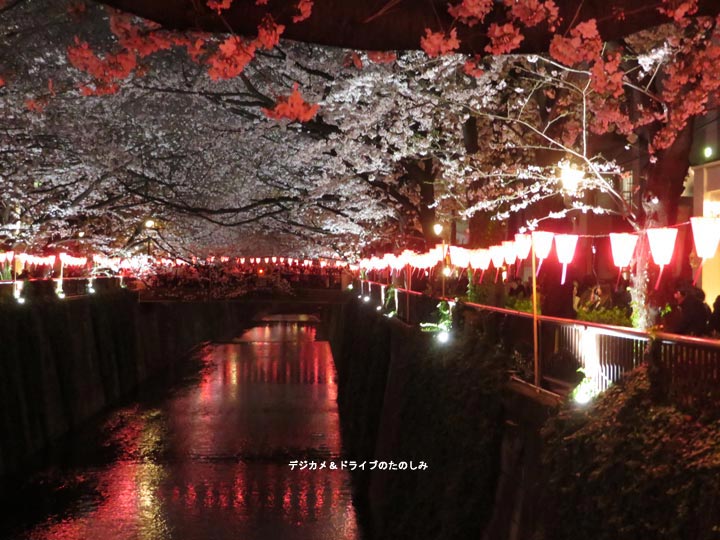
(229, 441)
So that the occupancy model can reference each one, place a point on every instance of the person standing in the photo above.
(691, 317)
(714, 325)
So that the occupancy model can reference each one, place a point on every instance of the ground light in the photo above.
(584, 395)
(17, 291)
(59, 289)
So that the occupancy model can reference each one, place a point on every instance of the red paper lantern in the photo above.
(509, 251)
(706, 236)
(497, 255)
(480, 259)
(623, 248)
(459, 256)
(662, 245)
(565, 245)
(542, 244)
(523, 243)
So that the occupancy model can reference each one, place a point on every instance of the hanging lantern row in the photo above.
(34, 260)
(69, 260)
(706, 236)
(139, 262)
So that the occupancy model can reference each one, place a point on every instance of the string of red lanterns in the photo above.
(662, 240)
(23, 260)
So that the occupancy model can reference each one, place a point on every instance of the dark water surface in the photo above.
(209, 459)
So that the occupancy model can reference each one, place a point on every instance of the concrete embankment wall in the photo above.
(403, 398)
(61, 362)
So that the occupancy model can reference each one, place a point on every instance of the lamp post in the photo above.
(149, 226)
(438, 229)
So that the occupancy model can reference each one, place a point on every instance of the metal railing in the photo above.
(686, 368)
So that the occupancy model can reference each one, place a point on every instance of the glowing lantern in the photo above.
(480, 258)
(407, 257)
(623, 247)
(542, 244)
(565, 245)
(510, 252)
(282, 259)
(459, 256)
(274, 260)
(497, 255)
(437, 253)
(662, 245)
(706, 236)
(523, 243)
(252, 260)
(242, 260)
(323, 264)
(267, 260)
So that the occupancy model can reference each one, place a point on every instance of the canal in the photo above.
(211, 458)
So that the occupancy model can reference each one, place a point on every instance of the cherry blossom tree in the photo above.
(339, 147)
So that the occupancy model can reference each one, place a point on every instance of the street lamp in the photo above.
(149, 226)
(570, 177)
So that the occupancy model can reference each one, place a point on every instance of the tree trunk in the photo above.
(666, 179)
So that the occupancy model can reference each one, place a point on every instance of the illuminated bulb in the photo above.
(447, 271)
(81, 234)
(443, 336)
(570, 176)
(379, 308)
(366, 298)
(20, 300)
(149, 223)
(583, 397)
(91, 290)
(708, 151)
(350, 287)
(437, 229)
(359, 295)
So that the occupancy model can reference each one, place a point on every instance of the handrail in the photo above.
(610, 329)
(688, 366)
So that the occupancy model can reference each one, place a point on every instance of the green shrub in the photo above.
(628, 468)
(613, 315)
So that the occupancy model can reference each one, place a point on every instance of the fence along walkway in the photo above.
(688, 368)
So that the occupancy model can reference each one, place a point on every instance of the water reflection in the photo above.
(211, 461)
